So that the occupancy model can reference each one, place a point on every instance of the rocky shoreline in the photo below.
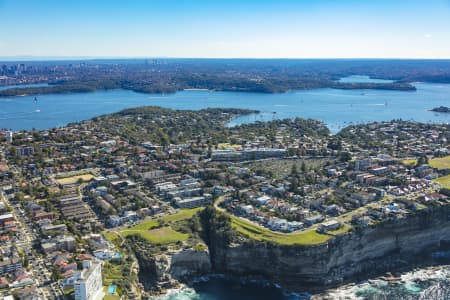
(397, 245)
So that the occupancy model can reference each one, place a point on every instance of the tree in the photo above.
(303, 167)
(216, 228)
(294, 171)
(345, 156)
(294, 185)
(423, 160)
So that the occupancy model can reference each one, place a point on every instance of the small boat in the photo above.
(35, 100)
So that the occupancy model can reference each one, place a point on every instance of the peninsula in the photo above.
(242, 75)
(441, 109)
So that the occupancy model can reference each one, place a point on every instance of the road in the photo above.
(48, 289)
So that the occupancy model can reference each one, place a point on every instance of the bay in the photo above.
(337, 108)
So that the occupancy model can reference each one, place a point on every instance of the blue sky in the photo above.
(231, 28)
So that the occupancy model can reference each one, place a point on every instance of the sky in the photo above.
(225, 29)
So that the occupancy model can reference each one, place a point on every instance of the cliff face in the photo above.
(190, 263)
(164, 271)
(372, 250)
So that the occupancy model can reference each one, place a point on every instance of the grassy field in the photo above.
(111, 297)
(163, 235)
(409, 162)
(146, 225)
(440, 163)
(74, 179)
(444, 180)
(307, 237)
(182, 215)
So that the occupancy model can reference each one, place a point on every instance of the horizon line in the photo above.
(76, 58)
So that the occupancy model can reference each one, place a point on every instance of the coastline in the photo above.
(78, 88)
(409, 281)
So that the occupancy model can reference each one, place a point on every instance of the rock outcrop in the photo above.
(187, 264)
(166, 271)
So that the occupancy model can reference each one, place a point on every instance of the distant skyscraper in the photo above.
(9, 136)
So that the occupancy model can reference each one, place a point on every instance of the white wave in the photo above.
(183, 293)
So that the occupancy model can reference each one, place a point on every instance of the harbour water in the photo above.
(337, 108)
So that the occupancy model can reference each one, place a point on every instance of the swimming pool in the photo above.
(111, 289)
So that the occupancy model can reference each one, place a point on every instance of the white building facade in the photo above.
(89, 285)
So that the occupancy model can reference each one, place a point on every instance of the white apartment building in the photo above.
(89, 285)
(9, 137)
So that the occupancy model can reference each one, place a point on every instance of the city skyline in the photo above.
(200, 29)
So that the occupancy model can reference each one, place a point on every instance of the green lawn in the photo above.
(164, 235)
(444, 180)
(182, 215)
(344, 229)
(146, 225)
(409, 162)
(307, 237)
(110, 236)
(440, 163)
(108, 296)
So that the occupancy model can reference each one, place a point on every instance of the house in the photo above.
(393, 207)
(278, 224)
(114, 221)
(262, 200)
(328, 226)
(313, 220)
(4, 283)
(247, 209)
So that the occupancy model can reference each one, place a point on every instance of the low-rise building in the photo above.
(327, 226)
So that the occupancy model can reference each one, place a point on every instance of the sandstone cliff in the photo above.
(159, 272)
(385, 247)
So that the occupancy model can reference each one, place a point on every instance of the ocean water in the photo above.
(337, 108)
(431, 283)
(232, 289)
